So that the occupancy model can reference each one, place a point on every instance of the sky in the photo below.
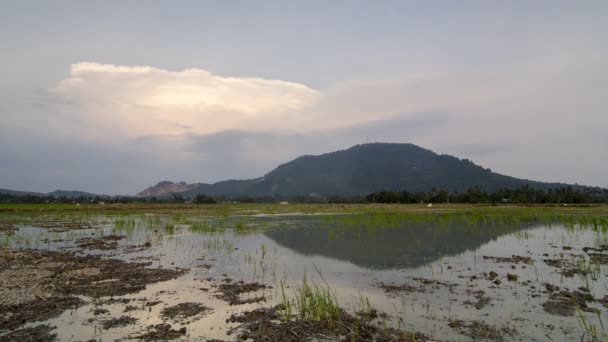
(114, 96)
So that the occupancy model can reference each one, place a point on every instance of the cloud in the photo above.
(141, 100)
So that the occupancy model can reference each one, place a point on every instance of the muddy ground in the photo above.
(38, 285)
(267, 325)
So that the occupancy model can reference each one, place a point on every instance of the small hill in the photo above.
(56, 193)
(165, 189)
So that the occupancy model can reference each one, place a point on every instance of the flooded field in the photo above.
(294, 276)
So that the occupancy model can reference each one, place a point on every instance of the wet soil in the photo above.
(38, 285)
(104, 243)
(13, 316)
(568, 268)
(39, 333)
(121, 321)
(394, 288)
(184, 310)
(161, 332)
(6, 227)
(58, 226)
(481, 330)
(480, 299)
(231, 292)
(565, 303)
(267, 325)
(516, 259)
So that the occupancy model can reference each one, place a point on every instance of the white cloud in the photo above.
(143, 100)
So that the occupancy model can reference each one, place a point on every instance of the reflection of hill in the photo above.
(411, 245)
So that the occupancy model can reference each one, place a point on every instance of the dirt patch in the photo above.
(121, 321)
(550, 287)
(37, 285)
(13, 316)
(161, 332)
(254, 316)
(394, 288)
(232, 292)
(481, 330)
(39, 333)
(480, 299)
(567, 267)
(59, 226)
(266, 325)
(112, 301)
(100, 311)
(602, 248)
(184, 310)
(104, 243)
(6, 227)
(565, 303)
(435, 283)
(138, 248)
(515, 259)
(598, 258)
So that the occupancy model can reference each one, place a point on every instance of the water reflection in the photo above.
(406, 245)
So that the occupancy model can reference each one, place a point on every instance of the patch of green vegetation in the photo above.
(311, 302)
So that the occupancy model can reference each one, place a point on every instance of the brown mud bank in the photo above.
(38, 285)
(268, 325)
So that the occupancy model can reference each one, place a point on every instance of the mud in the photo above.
(599, 249)
(161, 332)
(13, 316)
(231, 293)
(393, 288)
(568, 268)
(184, 310)
(121, 321)
(6, 227)
(565, 303)
(480, 299)
(265, 325)
(515, 259)
(39, 333)
(598, 258)
(58, 226)
(435, 283)
(103, 243)
(481, 330)
(38, 285)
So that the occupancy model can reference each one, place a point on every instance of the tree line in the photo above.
(522, 195)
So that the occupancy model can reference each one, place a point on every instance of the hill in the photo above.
(363, 169)
(56, 193)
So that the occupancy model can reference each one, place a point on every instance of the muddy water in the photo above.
(427, 277)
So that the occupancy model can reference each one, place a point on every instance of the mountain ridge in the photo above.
(360, 170)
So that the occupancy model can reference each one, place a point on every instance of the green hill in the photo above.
(367, 168)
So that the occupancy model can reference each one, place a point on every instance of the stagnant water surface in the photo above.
(446, 263)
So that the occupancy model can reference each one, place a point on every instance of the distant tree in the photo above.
(203, 199)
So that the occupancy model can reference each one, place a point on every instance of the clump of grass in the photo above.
(204, 227)
(170, 228)
(591, 332)
(311, 301)
(124, 223)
